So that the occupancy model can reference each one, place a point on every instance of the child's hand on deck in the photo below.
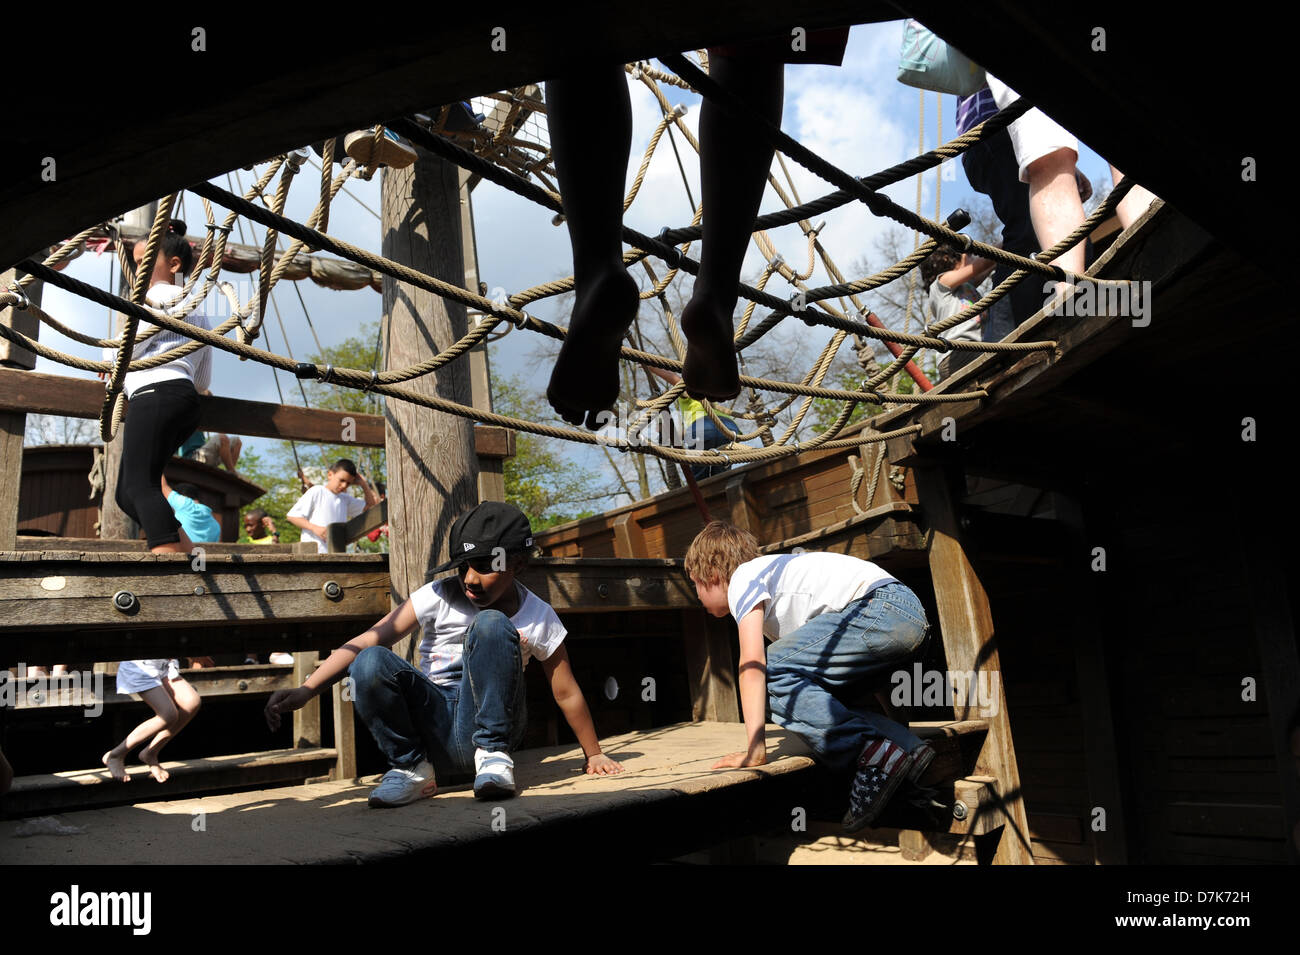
(285, 701)
(602, 765)
(738, 760)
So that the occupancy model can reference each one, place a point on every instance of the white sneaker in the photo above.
(402, 786)
(281, 658)
(495, 775)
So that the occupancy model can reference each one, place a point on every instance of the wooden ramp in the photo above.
(667, 803)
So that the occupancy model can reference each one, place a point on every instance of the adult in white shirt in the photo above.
(330, 503)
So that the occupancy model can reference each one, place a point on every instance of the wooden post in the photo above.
(491, 480)
(306, 721)
(114, 524)
(345, 735)
(710, 668)
(13, 424)
(968, 640)
(432, 468)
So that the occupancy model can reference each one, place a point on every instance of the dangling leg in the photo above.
(734, 165)
(590, 122)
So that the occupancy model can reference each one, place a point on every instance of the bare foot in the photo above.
(710, 369)
(116, 766)
(584, 381)
(150, 759)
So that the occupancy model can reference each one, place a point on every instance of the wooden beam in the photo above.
(605, 586)
(742, 507)
(342, 534)
(710, 668)
(306, 719)
(33, 392)
(345, 733)
(12, 427)
(970, 646)
(77, 690)
(312, 82)
(92, 545)
(629, 539)
(41, 591)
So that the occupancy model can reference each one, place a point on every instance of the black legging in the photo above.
(159, 419)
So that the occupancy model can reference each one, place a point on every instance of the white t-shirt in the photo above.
(322, 506)
(798, 587)
(196, 366)
(446, 613)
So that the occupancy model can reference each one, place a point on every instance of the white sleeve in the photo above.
(551, 633)
(305, 504)
(355, 505)
(745, 592)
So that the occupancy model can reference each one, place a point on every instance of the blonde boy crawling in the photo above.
(462, 710)
(836, 622)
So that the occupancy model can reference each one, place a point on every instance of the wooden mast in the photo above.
(432, 467)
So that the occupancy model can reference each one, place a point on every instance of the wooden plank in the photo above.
(12, 427)
(604, 586)
(306, 719)
(80, 691)
(92, 545)
(629, 541)
(345, 734)
(741, 507)
(118, 643)
(969, 645)
(1252, 820)
(340, 535)
(983, 806)
(710, 669)
(83, 789)
(61, 593)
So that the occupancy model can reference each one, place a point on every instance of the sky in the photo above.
(857, 116)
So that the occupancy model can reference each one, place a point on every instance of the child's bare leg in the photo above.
(186, 702)
(734, 165)
(230, 448)
(591, 170)
(1132, 206)
(1055, 206)
(160, 701)
(182, 546)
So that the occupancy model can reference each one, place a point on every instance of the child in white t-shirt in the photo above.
(462, 708)
(330, 503)
(835, 622)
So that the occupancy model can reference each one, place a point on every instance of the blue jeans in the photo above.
(703, 435)
(835, 656)
(412, 718)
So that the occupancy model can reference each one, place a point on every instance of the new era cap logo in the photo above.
(467, 546)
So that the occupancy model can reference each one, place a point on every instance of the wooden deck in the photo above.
(668, 802)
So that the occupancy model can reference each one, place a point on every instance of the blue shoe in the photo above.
(882, 768)
(399, 787)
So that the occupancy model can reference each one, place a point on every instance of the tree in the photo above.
(540, 480)
(278, 473)
(55, 429)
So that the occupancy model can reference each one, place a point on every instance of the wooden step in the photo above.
(86, 788)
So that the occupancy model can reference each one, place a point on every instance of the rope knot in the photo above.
(374, 380)
(23, 302)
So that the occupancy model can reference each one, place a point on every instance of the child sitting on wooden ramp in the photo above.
(462, 709)
(836, 622)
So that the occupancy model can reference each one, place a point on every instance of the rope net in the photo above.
(512, 150)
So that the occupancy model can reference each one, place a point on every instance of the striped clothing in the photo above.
(196, 366)
(974, 109)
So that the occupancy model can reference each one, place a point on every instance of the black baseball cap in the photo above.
(482, 529)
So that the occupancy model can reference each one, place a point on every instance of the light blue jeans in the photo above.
(836, 657)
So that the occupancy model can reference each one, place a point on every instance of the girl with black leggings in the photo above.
(163, 402)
